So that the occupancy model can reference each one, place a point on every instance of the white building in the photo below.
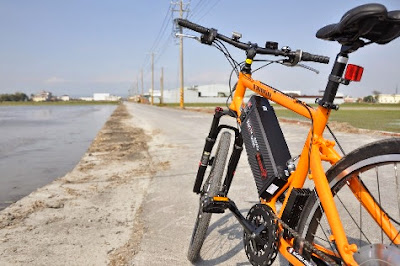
(105, 97)
(388, 98)
(310, 99)
(65, 98)
(88, 99)
(42, 96)
(218, 93)
(100, 96)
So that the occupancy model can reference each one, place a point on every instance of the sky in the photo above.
(80, 47)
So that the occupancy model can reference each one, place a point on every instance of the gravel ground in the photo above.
(129, 201)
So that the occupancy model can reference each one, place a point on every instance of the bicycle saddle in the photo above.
(371, 21)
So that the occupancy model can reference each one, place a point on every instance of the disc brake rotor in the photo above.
(378, 254)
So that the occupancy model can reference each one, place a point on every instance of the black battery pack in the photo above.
(266, 147)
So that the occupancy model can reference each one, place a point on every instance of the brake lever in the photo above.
(308, 68)
(187, 36)
(316, 71)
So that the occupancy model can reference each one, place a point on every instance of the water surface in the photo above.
(40, 143)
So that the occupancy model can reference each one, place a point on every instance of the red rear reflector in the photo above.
(353, 72)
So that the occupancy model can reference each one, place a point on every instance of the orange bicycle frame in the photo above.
(316, 149)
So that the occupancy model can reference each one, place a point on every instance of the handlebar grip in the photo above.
(190, 25)
(315, 58)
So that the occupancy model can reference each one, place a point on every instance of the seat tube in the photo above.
(346, 250)
(334, 80)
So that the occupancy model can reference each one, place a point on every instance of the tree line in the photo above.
(16, 97)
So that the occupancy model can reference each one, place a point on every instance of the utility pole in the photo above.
(181, 10)
(137, 85)
(152, 78)
(162, 86)
(181, 56)
(141, 72)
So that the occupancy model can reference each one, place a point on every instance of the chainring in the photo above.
(264, 249)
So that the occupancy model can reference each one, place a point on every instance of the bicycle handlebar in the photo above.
(212, 33)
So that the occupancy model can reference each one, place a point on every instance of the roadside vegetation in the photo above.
(16, 97)
(194, 104)
(381, 117)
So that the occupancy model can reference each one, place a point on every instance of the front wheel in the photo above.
(375, 168)
(210, 188)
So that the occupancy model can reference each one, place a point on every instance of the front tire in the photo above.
(376, 165)
(210, 188)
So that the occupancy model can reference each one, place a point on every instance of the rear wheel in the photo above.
(210, 188)
(375, 167)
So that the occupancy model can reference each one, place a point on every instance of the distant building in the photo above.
(348, 99)
(293, 93)
(218, 93)
(43, 96)
(65, 98)
(88, 99)
(105, 97)
(388, 98)
(100, 96)
(310, 99)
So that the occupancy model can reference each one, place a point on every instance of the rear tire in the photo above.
(376, 165)
(210, 188)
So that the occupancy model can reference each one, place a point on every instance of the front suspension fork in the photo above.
(208, 146)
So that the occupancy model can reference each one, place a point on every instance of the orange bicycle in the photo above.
(352, 215)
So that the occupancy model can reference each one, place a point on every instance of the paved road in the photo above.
(170, 208)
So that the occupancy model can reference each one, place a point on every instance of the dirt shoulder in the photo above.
(91, 216)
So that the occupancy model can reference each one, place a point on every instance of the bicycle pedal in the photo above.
(216, 204)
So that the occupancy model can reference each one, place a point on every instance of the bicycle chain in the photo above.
(306, 243)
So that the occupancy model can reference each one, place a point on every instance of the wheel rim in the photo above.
(380, 175)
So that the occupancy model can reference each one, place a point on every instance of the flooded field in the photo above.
(40, 143)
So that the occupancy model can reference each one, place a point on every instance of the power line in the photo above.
(160, 35)
(163, 48)
(167, 41)
(208, 11)
(197, 8)
(162, 29)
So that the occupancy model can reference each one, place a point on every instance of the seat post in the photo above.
(335, 78)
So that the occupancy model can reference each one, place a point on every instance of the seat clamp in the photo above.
(339, 80)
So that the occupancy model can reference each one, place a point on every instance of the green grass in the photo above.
(385, 120)
(381, 117)
(56, 103)
(195, 104)
(370, 105)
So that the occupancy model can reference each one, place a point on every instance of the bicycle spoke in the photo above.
(359, 192)
(397, 186)
(379, 198)
(354, 220)
(320, 238)
(322, 229)
(392, 240)
(398, 197)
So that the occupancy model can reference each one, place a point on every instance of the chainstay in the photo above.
(306, 243)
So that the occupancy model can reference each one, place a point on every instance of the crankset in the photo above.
(261, 247)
